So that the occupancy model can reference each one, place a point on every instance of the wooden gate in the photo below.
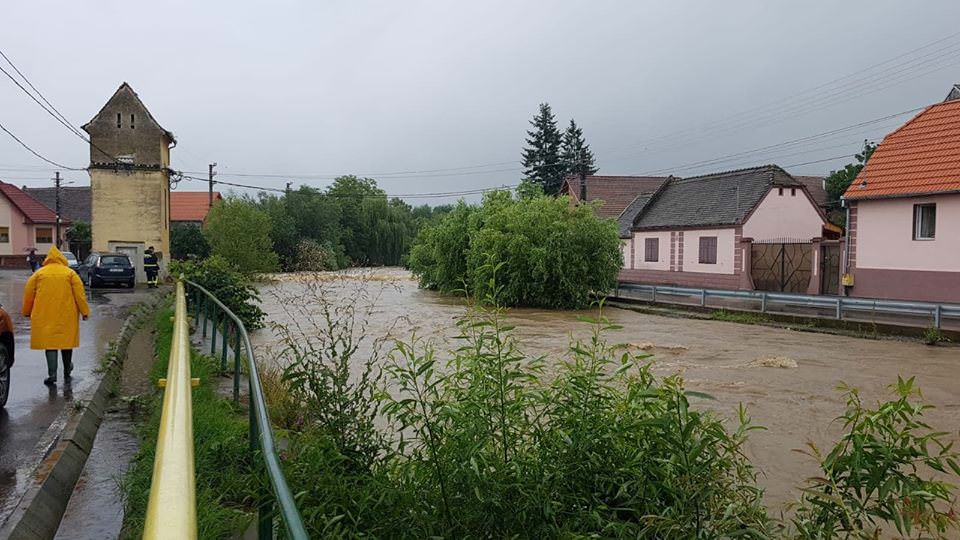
(781, 266)
(830, 269)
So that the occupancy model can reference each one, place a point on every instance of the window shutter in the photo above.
(651, 250)
(708, 250)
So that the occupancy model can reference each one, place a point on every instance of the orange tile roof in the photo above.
(190, 205)
(922, 156)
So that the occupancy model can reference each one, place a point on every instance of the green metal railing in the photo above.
(208, 310)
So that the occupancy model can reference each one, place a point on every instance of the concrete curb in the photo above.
(38, 514)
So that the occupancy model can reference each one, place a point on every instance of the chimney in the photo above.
(583, 188)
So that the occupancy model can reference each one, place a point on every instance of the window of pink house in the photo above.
(924, 221)
(651, 250)
(4, 235)
(44, 235)
(708, 250)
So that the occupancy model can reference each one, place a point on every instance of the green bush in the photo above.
(314, 257)
(553, 254)
(187, 241)
(228, 284)
(887, 472)
(239, 231)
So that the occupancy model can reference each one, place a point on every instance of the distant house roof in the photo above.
(616, 192)
(75, 202)
(191, 206)
(919, 158)
(625, 219)
(711, 200)
(33, 210)
(814, 186)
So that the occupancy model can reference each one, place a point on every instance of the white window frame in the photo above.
(918, 221)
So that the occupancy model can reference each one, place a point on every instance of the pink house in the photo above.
(904, 212)
(24, 223)
(697, 232)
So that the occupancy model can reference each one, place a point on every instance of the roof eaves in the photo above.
(653, 198)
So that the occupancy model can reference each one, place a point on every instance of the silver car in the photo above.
(71, 260)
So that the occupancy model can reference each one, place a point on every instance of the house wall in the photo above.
(887, 262)
(885, 235)
(679, 260)
(639, 240)
(784, 216)
(10, 217)
(726, 251)
(131, 207)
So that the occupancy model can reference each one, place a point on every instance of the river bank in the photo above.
(786, 379)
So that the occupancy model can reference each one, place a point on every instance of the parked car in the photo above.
(107, 269)
(71, 259)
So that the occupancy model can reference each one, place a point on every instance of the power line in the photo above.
(45, 100)
(62, 119)
(780, 145)
(389, 196)
(854, 85)
(34, 152)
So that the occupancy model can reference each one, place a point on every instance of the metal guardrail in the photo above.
(839, 306)
(172, 509)
(208, 309)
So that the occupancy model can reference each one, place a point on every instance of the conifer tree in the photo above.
(541, 158)
(576, 153)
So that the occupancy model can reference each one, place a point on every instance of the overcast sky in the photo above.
(354, 87)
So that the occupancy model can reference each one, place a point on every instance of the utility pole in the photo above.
(56, 184)
(212, 174)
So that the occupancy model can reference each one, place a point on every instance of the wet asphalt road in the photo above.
(33, 408)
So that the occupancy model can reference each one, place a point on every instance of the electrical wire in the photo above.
(395, 196)
(56, 115)
(34, 152)
(778, 106)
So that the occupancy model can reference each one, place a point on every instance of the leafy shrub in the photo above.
(239, 231)
(553, 254)
(933, 336)
(187, 241)
(314, 257)
(224, 281)
(882, 474)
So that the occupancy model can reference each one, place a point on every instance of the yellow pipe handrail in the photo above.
(172, 509)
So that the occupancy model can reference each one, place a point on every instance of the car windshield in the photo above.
(115, 260)
(70, 256)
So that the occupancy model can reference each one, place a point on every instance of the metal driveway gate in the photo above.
(781, 265)
(830, 269)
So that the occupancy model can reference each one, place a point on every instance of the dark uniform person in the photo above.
(151, 265)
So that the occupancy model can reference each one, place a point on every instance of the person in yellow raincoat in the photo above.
(54, 299)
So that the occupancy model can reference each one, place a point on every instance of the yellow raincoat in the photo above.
(54, 299)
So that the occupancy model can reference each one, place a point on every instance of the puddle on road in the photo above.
(786, 379)
(96, 506)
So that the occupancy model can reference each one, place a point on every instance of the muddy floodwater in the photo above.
(786, 379)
